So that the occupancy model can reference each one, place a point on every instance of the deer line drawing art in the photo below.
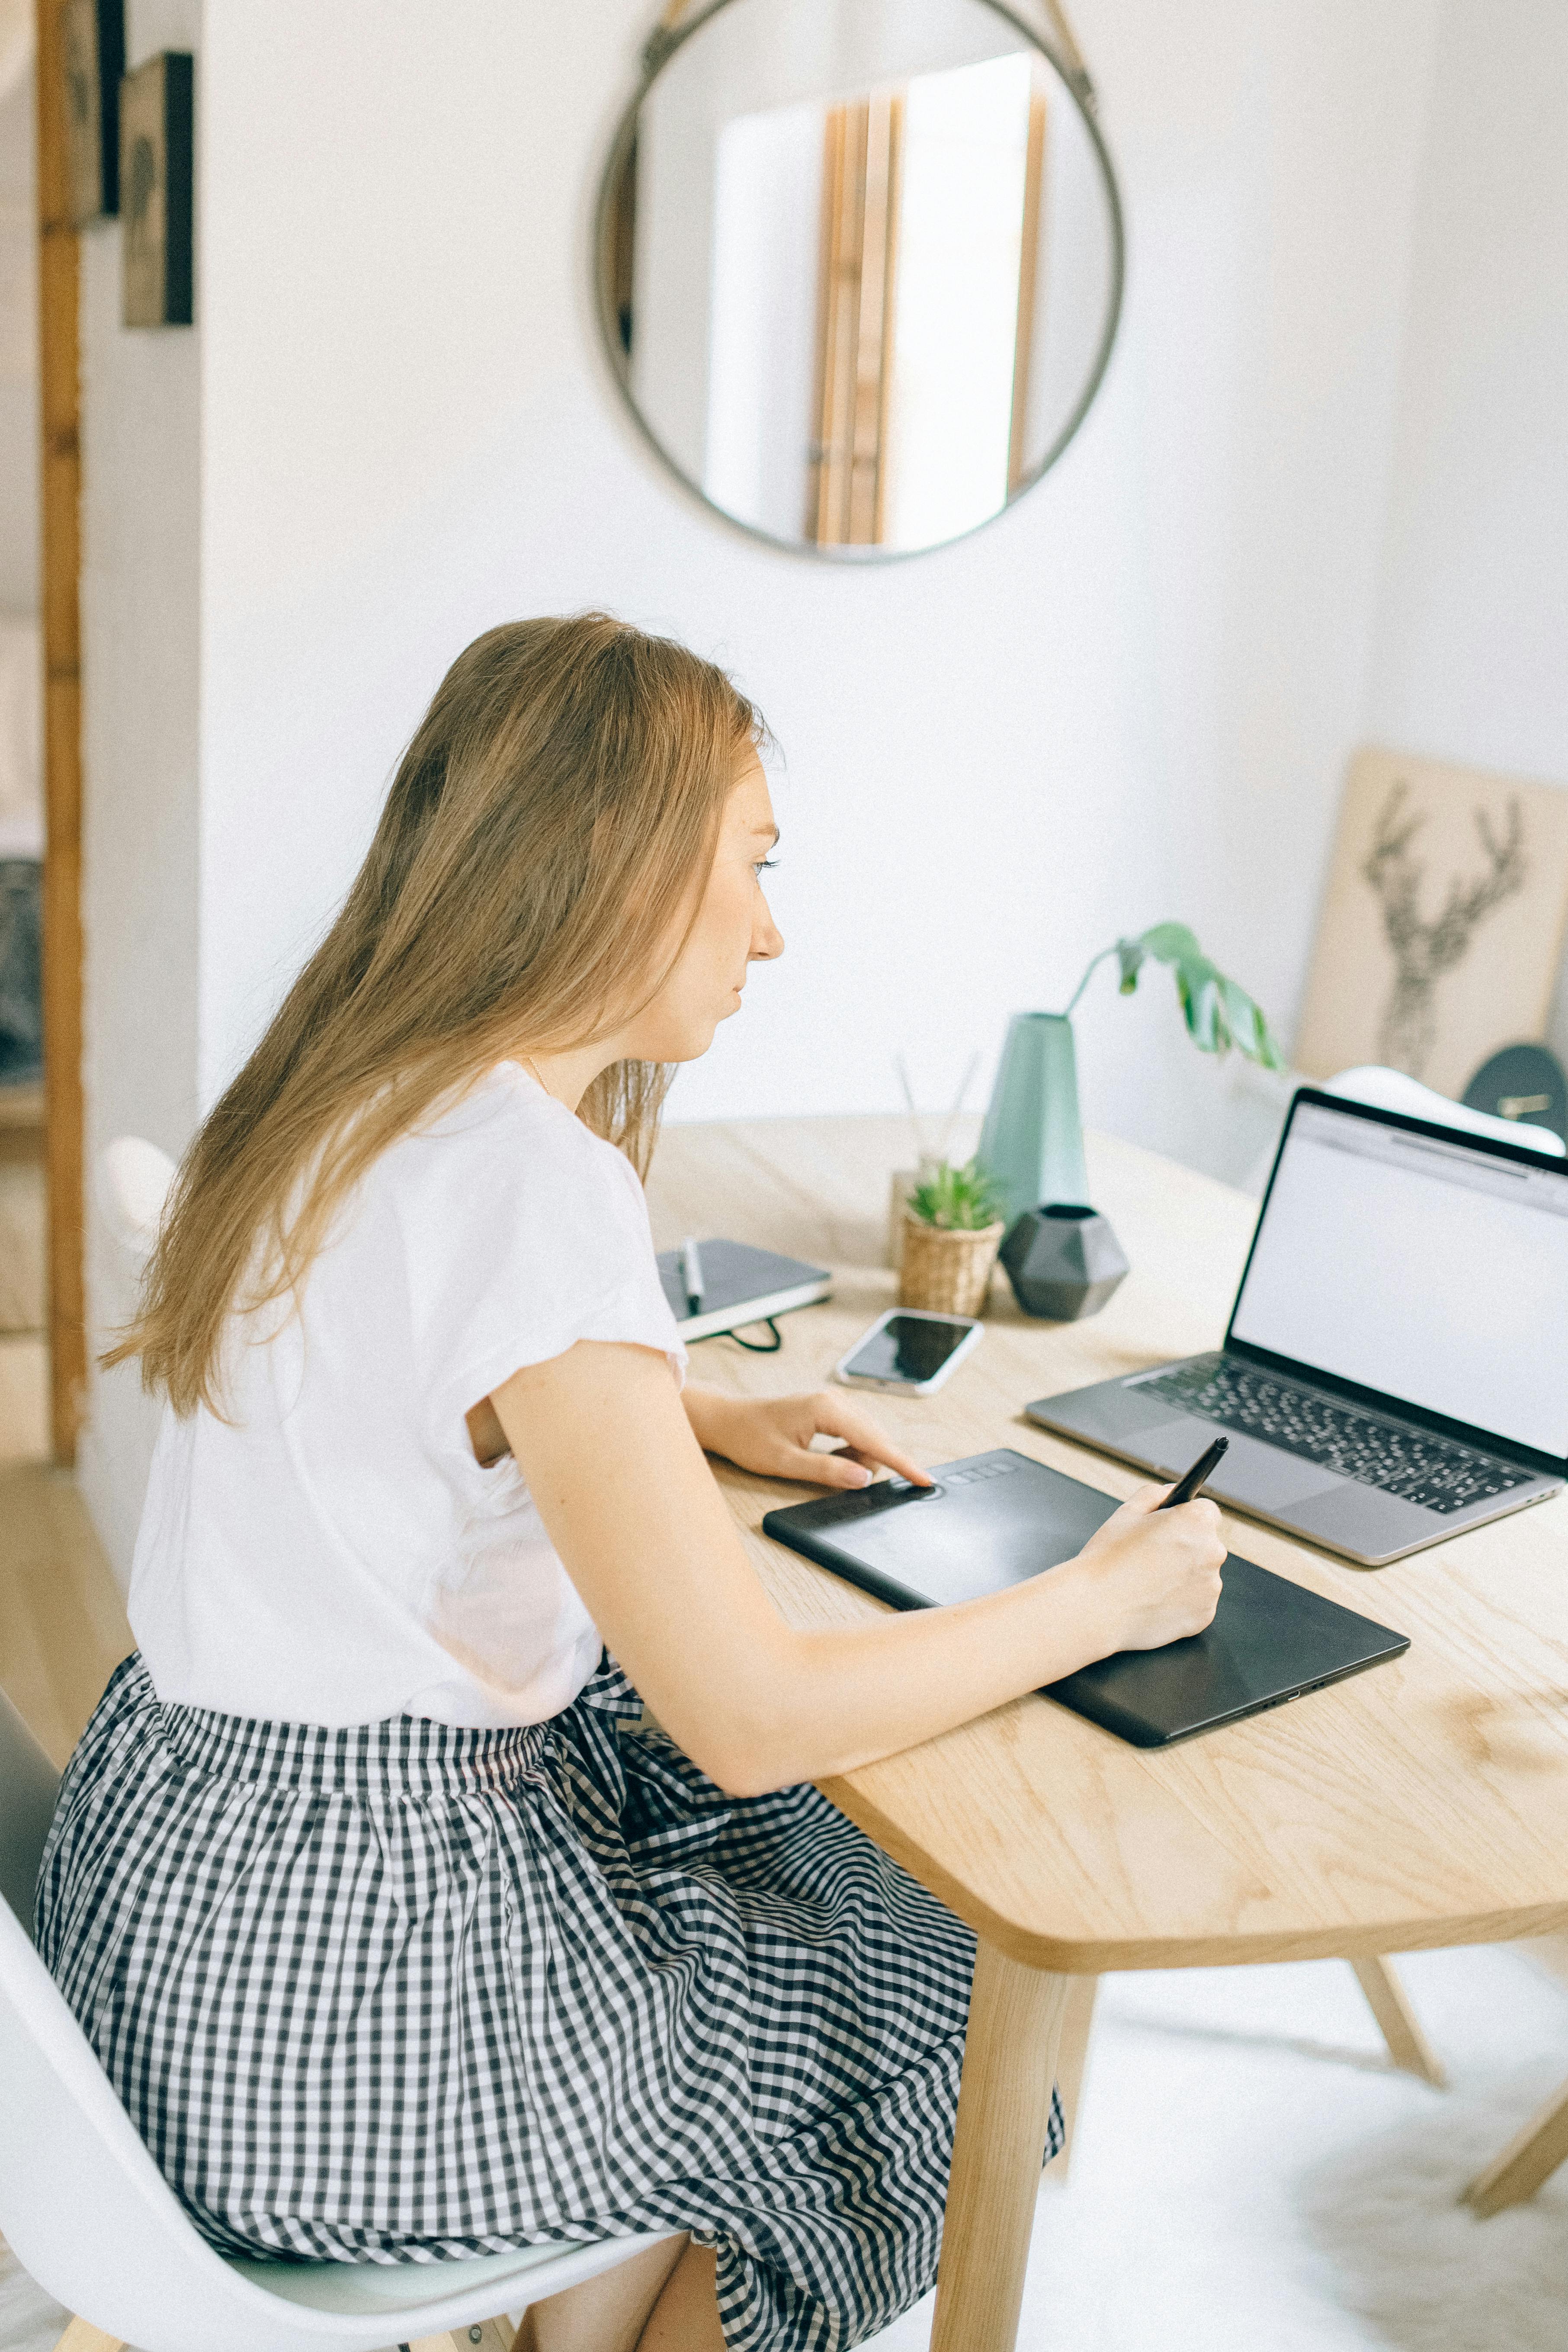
(1425, 949)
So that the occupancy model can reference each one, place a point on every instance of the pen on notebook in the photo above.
(691, 1273)
(1188, 1486)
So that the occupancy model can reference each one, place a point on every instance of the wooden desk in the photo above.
(1423, 1803)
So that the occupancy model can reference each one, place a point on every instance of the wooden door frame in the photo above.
(60, 520)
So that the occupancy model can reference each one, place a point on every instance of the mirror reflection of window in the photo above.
(846, 472)
(927, 202)
(973, 148)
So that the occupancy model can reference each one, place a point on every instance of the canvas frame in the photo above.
(1443, 920)
(157, 168)
(92, 53)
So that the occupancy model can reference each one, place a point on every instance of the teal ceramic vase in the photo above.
(1032, 1142)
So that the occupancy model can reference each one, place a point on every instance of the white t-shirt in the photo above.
(332, 1552)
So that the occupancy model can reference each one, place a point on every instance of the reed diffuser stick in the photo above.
(956, 1112)
(922, 1155)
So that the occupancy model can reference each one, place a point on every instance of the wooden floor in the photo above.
(62, 1622)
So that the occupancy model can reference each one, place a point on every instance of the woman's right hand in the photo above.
(1151, 1576)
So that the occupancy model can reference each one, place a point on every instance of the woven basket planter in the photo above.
(948, 1272)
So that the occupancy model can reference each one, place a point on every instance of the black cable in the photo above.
(761, 1347)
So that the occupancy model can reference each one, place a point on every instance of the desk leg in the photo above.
(1077, 2020)
(1004, 2109)
(1397, 2022)
(1523, 2164)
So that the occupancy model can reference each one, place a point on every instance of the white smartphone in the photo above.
(911, 1350)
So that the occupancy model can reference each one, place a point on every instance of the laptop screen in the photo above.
(1433, 1271)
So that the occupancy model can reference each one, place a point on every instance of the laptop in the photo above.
(1396, 1365)
(995, 1519)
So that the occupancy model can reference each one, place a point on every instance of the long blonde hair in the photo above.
(555, 812)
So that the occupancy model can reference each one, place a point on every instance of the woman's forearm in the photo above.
(636, 1516)
(837, 1697)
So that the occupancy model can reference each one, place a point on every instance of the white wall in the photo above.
(142, 816)
(1131, 698)
(1471, 659)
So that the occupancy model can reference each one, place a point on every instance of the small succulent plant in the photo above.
(956, 1199)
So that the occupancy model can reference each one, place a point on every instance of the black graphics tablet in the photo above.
(996, 1519)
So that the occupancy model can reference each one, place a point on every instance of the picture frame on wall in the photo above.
(92, 33)
(1443, 922)
(157, 163)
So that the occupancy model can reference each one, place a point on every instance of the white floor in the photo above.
(1251, 2177)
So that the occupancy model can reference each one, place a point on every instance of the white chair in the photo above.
(134, 1180)
(88, 2214)
(1393, 1090)
(1384, 1090)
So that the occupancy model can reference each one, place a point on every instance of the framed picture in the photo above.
(92, 32)
(1442, 924)
(156, 184)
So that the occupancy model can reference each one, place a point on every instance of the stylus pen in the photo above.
(1186, 1488)
(691, 1273)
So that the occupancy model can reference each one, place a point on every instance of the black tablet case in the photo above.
(996, 1519)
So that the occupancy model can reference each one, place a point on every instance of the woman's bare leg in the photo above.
(686, 2316)
(607, 2314)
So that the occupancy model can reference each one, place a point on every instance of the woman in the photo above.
(398, 1933)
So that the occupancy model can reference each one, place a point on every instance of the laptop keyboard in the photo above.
(1410, 1462)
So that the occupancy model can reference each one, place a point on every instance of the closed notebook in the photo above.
(740, 1285)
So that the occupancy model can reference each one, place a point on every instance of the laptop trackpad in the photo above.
(1256, 1477)
(1264, 1478)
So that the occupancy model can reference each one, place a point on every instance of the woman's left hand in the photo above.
(771, 1435)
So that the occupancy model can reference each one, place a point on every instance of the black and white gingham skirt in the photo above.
(407, 1991)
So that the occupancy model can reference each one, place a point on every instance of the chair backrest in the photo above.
(83, 2204)
(28, 1785)
(134, 1180)
(1394, 1090)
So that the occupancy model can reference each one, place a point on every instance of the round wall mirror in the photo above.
(859, 264)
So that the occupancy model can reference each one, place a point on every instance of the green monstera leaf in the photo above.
(1218, 1013)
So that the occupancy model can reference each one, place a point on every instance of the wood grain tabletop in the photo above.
(1423, 1802)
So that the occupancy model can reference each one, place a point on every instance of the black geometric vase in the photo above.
(1063, 1262)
